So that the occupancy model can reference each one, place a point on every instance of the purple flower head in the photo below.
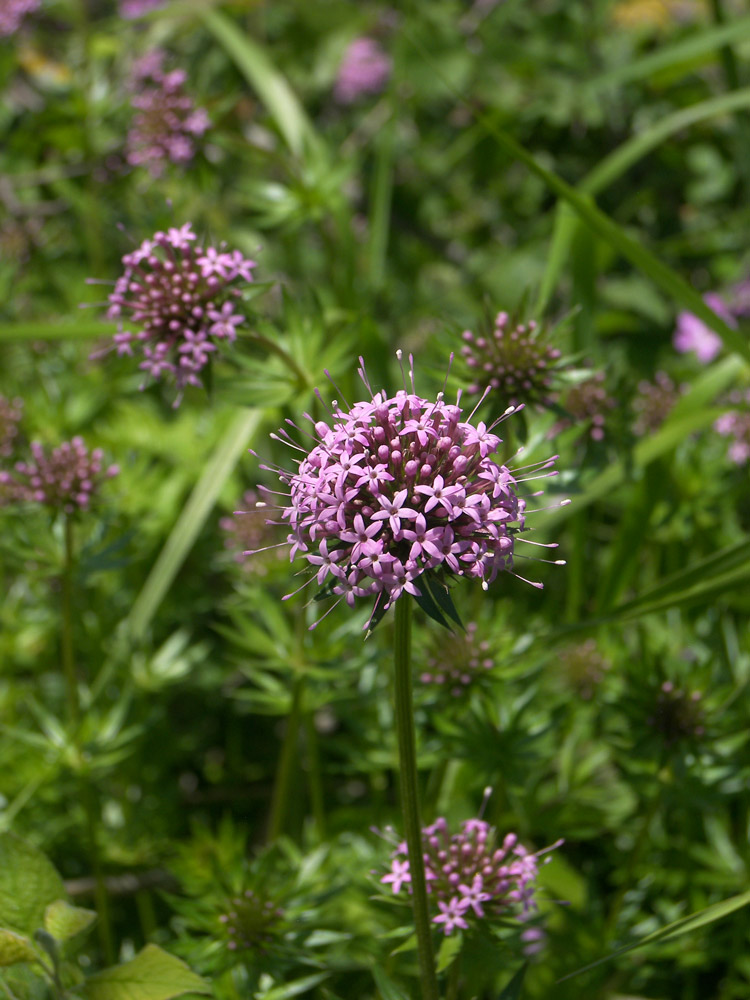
(66, 479)
(678, 714)
(131, 9)
(514, 358)
(588, 403)
(470, 875)
(396, 487)
(182, 297)
(11, 411)
(251, 923)
(166, 122)
(692, 334)
(364, 69)
(12, 13)
(583, 667)
(654, 403)
(456, 662)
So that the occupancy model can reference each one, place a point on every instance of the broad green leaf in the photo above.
(262, 75)
(28, 884)
(64, 921)
(686, 51)
(79, 330)
(387, 988)
(449, 950)
(293, 989)
(153, 974)
(15, 948)
(513, 990)
(685, 925)
(192, 518)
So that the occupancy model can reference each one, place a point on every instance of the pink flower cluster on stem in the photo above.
(65, 479)
(396, 486)
(167, 122)
(469, 876)
(182, 296)
(12, 13)
(364, 70)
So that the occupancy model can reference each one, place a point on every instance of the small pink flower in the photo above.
(364, 70)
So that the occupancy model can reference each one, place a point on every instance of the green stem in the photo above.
(285, 769)
(314, 777)
(68, 657)
(74, 710)
(409, 796)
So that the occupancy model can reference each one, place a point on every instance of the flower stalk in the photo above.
(410, 797)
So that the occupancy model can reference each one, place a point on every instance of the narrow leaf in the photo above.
(685, 925)
(78, 330)
(513, 990)
(387, 988)
(293, 989)
(450, 948)
(262, 75)
(192, 518)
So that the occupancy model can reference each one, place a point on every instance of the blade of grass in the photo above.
(191, 519)
(601, 224)
(717, 911)
(690, 415)
(686, 51)
(272, 87)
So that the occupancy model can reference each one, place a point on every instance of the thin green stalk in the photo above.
(410, 796)
(74, 710)
(285, 770)
(314, 777)
(68, 657)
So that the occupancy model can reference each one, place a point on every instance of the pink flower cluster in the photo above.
(65, 479)
(12, 13)
(183, 296)
(588, 403)
(514, 358)
(252, 922)
(456, 662)
(678, 714)
(396, 486)
(692, 334)
(166, 122)
(469, 876)
(654, 402)
(364, 70)
(131, 9)
(736, 425)
(11, 411)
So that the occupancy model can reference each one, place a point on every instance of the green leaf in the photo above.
(15, 948)
(262, 75)
(387, 988)
(449, 950)
(685, 925)
(64, 921)
(80, 330)
(686, 51)
(442, 597)
(28, 883)
(293, 989)
(192, 518)
(153, 974)
(513, 990)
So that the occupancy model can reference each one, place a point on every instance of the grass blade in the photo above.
(717, 911)
(262, 75)
(80, 330)
(191, 519)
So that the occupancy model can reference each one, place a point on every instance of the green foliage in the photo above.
(152, 975)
